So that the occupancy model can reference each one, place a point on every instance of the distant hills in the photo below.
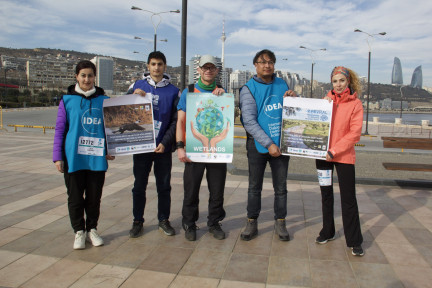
(29, 53)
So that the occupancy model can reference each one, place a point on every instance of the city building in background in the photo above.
(237, 79)
(417, 78)
(397, 72)
(48, 73)
(105, 72)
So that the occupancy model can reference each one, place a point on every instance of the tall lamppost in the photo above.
(369, 61)
(313, 63)
(157, 22)
(401, 100)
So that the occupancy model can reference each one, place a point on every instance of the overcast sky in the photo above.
(108, 27)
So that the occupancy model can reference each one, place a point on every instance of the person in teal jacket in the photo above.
(79, 151)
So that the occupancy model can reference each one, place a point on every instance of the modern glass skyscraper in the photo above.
(417, 78)
(397, 72)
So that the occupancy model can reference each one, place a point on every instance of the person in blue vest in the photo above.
(261, 102)
(79, 151)
(194, 171)
(165, 98)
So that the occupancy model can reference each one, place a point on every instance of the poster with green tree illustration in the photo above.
(209, 127)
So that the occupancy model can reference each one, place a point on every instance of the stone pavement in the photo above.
(36, 238)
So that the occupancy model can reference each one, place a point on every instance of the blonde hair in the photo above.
(354, 82)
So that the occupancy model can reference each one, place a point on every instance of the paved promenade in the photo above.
(36, 238)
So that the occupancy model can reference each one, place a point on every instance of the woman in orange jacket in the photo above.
(346, 127)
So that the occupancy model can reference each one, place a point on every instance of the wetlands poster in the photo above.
(306, 126)
(209, 127)
(129, 127)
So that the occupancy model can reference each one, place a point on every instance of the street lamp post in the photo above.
(401, 100)
(368, 86)
(155, 24)
(313, 63)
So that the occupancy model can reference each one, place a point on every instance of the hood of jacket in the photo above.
(166, 80)
(71, 91)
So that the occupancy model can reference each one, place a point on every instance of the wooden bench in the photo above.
(407, 143)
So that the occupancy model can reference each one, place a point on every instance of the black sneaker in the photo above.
(166, 227)
(322, 240)
(217, 231)
(137, 229)
(357, 251)
(190, 232)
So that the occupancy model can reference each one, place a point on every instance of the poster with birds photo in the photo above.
(129, 126)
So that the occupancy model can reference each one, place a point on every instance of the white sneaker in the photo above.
(95, 239)
(80, 237)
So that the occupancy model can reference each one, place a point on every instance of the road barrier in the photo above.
(31, 126)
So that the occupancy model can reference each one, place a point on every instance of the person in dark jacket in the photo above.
(79, 151)
(165, 97)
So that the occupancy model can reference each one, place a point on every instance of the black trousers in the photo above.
(84, 189)
(350, 213)
(192, 177)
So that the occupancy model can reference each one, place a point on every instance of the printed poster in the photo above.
(209, 127)
(129, 126)
(306, 124)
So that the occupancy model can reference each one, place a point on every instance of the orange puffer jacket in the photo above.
(346, 127)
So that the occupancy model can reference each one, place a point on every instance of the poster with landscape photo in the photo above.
(129, 126)
(306, 124)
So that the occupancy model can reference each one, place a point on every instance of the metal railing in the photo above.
(31, 126)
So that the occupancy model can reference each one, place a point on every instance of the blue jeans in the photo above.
(162, 171)
(279, 169)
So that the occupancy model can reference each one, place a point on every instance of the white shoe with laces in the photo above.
(95, 239)
(79, 243)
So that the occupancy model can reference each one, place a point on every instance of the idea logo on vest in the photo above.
(91, 120)
(273, 107)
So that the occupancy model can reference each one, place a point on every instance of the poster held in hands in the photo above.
(210, 127)
(129, 125)
(306, 124)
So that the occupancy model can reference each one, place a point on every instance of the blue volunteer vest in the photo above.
(85, 140)
(269, 101)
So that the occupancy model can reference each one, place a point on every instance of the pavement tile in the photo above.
(103, 276)
(404, 255)
(376, 275)
(166, 259)
(414, 277)
(24, 269)
(332, 274)
(148, 279)
(289, 271)
(7, 257)
(247, 267)
(61, 274)
(206, 263)
(130, 254)
(182, 281)
(8, 235)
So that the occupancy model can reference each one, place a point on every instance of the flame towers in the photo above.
(397, 72)
(417, 78)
